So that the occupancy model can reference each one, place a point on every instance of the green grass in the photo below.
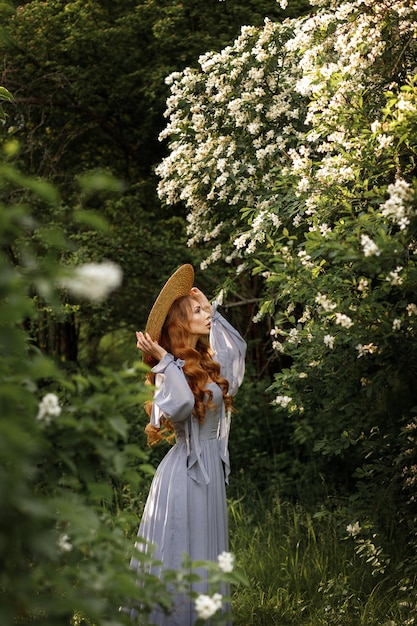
(303, 570)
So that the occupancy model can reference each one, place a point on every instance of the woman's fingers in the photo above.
(201, 298)
(144, 342)
(149, 346)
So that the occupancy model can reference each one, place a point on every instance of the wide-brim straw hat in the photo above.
(179, 284)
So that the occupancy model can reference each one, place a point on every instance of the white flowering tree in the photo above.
(294, 152)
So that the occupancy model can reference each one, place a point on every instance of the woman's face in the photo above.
(199, 320)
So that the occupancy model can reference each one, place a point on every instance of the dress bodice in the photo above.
(208, 428)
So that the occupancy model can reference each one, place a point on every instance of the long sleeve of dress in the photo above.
(229, 350)
(173, 397)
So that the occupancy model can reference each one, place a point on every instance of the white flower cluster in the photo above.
(343, 320)
(368, 348)
(369, 246)
(64, 543)
(397, 207)
(324, 302)
(396, 324)
(93, 281)
(394, 277)
(293, 336)
(226, 561)
(262, 146)
(48, 408)
(283, 401)
(353, 529)
(206, 606)
(329, 341)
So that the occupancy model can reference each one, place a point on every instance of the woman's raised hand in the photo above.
(149, 346)
(201, 299)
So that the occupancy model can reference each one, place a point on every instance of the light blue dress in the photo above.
(186, 508)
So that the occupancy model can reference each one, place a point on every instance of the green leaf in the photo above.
(92, 219)
(100, 180)
(119, 425)
(5, 94)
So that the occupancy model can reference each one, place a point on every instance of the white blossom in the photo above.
(283, 401)
(240, 241)
(384, 141)
(369, 246)
(64, 543)
(278, 346)
(226, 561)
(397, 206)
(324, 302)
(353, 529)
(303, 184)
(48, 408)
(257, 317)
(93, 281)
(305, 258)
(363, 284)
(343, 320)
(394, 277)
(329, 341)
(396, 324)
(206, 606)
(305, 316)
(376, 126)
(369, 348)
(293, 336)
(325, 230)
(412, 309)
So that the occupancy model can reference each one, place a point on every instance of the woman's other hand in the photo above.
(201, 299)
(148, 346)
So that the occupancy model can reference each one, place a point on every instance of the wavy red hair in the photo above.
(199, 367)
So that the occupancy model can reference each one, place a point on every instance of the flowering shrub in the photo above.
(294, 152)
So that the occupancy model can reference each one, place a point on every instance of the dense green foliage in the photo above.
(64, 445)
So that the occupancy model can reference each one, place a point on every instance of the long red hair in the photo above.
(199, 367)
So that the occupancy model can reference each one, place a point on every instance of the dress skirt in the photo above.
(183, 515)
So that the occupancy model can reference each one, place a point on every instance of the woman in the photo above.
(195, 380)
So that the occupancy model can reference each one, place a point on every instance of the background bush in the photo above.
(67, 446)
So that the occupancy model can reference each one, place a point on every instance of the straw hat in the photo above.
(178, 285)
